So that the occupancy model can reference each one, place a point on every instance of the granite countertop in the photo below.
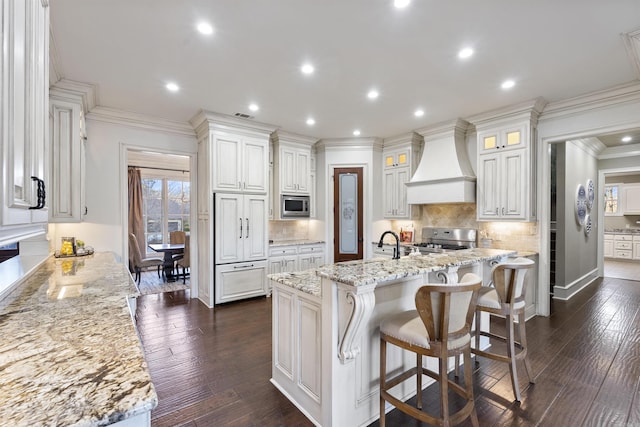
(295, 242)
(376, 270)
(69, 353)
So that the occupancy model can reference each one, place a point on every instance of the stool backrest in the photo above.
(447, 310)
(508, 279)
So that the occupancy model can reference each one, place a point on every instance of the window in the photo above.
(611, 199)
(166, 206)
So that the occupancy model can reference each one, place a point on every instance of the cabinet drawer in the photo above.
(608, 237)
(310, 249)
(624, 245)
(636, 238)
(623, 237)
(623, 254)
(283, 251)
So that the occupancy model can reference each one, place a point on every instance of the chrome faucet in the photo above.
(396, 250)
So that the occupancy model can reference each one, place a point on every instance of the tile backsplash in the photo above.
(289, 230)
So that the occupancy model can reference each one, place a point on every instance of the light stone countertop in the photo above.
(377, 270)
(69, 353)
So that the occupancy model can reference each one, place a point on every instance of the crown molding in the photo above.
(205, 121)
(620, 151)
(591, 145)
(406, 138)
(631, 41)
(625, 93)
(55, 71)
(70, 90)
(456, 126)
(528, 110)
(284, 136)
(140, 121)
(367, 143)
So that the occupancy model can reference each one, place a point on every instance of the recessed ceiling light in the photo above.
(419, 113)
(172, 87)
(508, 84)
(465, 53)
(373, 94)
(356, 132)
(205, 28)
(310, 121)
(627, 139)
(307, 69)
(254, 107)
(401, 3)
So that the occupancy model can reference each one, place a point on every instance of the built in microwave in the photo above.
(294, 206)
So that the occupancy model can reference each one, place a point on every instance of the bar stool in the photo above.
(440, 327)
(506, 298)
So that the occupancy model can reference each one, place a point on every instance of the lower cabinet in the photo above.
(636, 247)
(285, 259)
(608, 245)
(240, 280)
(297, 347)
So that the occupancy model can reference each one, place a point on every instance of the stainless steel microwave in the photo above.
(294, 206)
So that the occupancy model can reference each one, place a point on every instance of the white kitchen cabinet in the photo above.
(631, 197)
(506, 162)
(240, 163)
(636, 247)
(270, 181)
(400, 159)
(24, 118)
(608, 245)
(291, 168)
(240, 280)
(291, 258)
(68, 136)
(240, 227)
(310, 256)
(502, 185)
(623, 246)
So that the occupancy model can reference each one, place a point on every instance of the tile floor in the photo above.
(622, 269)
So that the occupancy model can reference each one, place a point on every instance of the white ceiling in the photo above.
(131, 48)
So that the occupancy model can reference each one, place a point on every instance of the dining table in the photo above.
(169, 250)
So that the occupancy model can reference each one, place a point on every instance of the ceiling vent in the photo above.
(243, 115)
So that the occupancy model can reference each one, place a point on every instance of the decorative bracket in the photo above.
(362, 306)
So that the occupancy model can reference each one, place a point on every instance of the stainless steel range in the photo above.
(437, 240)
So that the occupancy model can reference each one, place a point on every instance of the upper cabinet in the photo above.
(506, 163)
(292, 169)
(68, 101)
(400, 158)
(23, 118)
(631, 196)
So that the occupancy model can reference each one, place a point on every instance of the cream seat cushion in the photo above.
(408, 327)
(488, 297)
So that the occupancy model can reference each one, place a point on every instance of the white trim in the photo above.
(631, 41)
(565, 293)
(295, 402)
(136, 120)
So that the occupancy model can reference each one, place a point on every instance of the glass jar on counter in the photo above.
(68, 246)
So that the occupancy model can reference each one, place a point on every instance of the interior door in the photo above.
(347, 214)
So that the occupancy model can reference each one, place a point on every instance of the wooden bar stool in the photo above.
(506, 298)
(440, 327)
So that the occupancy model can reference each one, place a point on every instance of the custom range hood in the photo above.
(444, 174)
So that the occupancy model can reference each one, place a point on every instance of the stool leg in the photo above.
(523, 342)
(444, 390)
(511, 353)
(477, 335)
(419, 381)
(468, 382)
(383, 379)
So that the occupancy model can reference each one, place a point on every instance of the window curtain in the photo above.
(136, 225)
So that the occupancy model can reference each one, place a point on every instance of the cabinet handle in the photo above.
(503, 211)
(240, 228)
(247, 236)
(243, 266)
(497, 212)
(41, 193)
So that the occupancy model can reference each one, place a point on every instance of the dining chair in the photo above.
(506, 297)
(439, 327)
(185, 262)
(177, 237)
(137, 261)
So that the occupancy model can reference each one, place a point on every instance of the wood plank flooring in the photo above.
(212, 368)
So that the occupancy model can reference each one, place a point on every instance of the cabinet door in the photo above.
(286, 165)
(24, 108)
(513, 195)
(302, 171)
(255, 227)
(275, 266)
(229, 224)
(389, 198)
(488, 186)
(255, 161)
(636, 250)
(240, 281)
(632, 199)
(402, 177)
(608, 248)
(227, 154)
(67, 162)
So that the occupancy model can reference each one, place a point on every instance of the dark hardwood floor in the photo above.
(213, 368)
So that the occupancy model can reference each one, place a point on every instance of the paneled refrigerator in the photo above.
(240, 246)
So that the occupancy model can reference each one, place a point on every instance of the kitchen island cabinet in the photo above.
(325, 329)
(70, 352)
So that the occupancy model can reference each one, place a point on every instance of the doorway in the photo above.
(347, 214)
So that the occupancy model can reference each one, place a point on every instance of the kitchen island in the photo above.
(325, 329)
(69, 352)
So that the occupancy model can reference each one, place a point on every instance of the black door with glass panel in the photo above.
(347, 214)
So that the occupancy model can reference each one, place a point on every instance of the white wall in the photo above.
(105, 172)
